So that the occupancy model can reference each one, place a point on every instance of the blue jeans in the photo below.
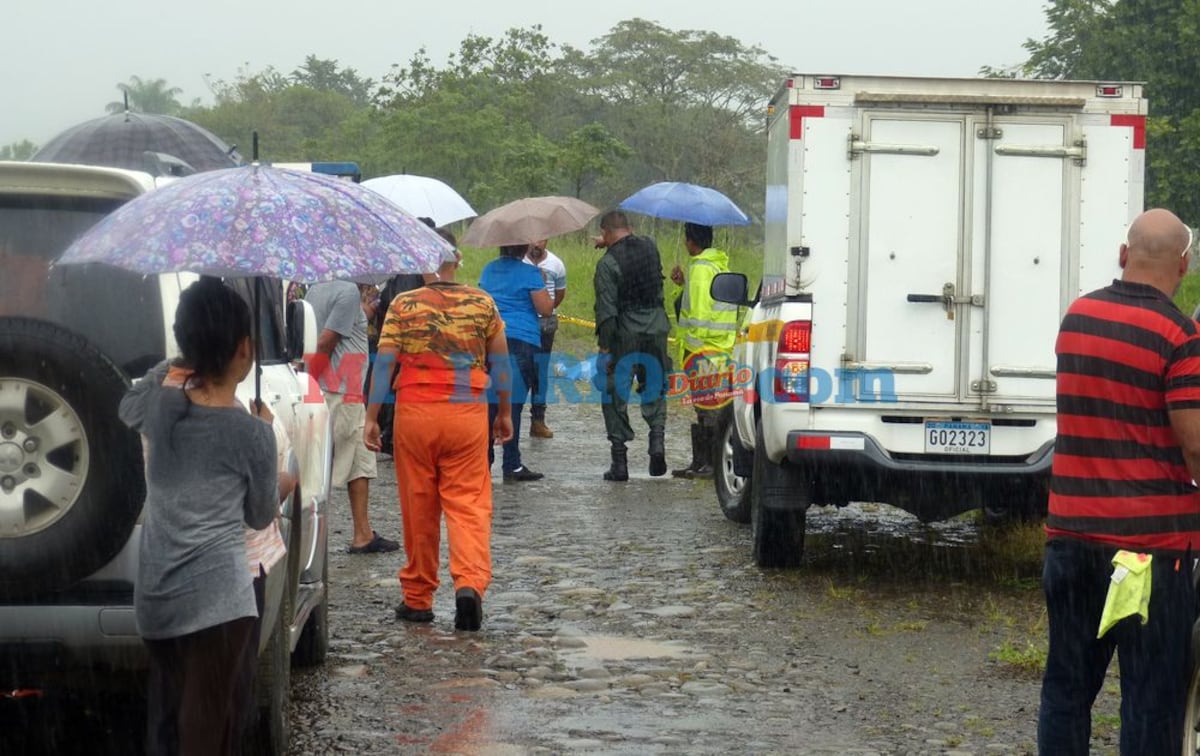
(524, 378)
(1155, 658)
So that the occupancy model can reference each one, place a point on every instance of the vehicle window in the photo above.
(118, 311)
(270, 314)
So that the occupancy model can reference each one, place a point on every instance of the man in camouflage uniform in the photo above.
(631, 330)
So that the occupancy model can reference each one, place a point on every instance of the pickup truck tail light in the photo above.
(792, 361)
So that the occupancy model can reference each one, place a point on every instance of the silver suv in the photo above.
(71, 476)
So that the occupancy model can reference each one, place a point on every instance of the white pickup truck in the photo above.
(71, 477)
(923, 239)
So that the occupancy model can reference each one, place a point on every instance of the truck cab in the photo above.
(923, 238)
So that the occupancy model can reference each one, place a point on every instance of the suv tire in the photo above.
(313, 645)
(778, 504)
(733, 491)
(71, 480)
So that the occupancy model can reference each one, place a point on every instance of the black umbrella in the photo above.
(157, 144)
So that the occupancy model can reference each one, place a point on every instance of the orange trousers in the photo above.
(442, 467)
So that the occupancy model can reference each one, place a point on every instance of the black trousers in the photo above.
(200, 688)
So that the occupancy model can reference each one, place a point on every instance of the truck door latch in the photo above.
(948, 299)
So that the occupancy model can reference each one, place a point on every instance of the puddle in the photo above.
(602, 648)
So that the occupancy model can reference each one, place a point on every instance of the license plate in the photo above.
(946, 437)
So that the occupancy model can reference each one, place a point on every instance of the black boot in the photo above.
(620, 463)
(658, 453)
(702, 451)
(686, 472)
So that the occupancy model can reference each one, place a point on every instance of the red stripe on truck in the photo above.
(798, 113)
(1137, 122)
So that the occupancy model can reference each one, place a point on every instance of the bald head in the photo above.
(1158, 235)
(1154, 251)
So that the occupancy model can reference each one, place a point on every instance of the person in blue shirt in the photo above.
(520, 294)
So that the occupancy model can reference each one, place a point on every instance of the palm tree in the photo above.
(147, 96)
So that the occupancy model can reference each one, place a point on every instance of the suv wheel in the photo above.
(733, 491)
(778, 503)
(71, 481)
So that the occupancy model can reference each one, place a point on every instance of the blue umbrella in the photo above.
(675, 200)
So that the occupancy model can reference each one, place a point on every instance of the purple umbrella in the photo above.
(261, 221)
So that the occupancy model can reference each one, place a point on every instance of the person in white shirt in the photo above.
(554, 273)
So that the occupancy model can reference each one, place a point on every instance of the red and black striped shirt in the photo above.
(1126, 356)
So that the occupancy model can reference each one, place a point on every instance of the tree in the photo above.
(294, 121)
(590, 152)
(325, 76)
(148, 96)
(22, 150)
(1155, 41)
(689, 103)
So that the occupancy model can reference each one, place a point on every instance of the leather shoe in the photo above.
(468, 609)
(408, 614)
(539, 429)
(523, 473)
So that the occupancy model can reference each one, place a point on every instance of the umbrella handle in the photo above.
(257, 342)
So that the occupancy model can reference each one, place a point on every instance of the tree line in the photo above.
(515, 115)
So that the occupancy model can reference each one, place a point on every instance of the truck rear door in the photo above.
(913, 170)
(965, 227)
(1025, 210)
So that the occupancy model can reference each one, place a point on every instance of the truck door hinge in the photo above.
(983, 387)
(989, 132)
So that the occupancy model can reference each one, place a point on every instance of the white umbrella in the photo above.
(423, 197)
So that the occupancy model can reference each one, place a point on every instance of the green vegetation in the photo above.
(1027, 659)
(580, 257)
(1188, 295)
(1151, 41)
(514, 115)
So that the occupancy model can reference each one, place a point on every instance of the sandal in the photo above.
(377, 545)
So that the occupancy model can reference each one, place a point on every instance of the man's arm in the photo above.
(385, 356)
(606, 282)
(328, 341)
(542, 303)
(497, 349)
(1186, 424)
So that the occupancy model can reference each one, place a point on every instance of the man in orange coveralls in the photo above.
(442, 337)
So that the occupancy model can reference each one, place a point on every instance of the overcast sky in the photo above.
(62, 59)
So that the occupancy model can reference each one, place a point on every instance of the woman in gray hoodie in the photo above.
(210, 472)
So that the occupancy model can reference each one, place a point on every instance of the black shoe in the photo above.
(523, 473)
(408, 614)
(468, 609)
(377, 545)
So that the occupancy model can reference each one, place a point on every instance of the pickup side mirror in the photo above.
(301, 330)
(730, 288)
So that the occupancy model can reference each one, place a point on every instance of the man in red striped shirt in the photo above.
(1125, 461)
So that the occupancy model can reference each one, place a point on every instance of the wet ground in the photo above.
(629, 618)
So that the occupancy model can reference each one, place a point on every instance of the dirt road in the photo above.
(629, 618)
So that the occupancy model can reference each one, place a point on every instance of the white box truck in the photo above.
(923, 238)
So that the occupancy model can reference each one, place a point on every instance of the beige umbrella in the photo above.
(528, 220)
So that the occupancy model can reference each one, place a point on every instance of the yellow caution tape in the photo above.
(592, 325)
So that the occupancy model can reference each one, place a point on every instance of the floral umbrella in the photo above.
(260, 221)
